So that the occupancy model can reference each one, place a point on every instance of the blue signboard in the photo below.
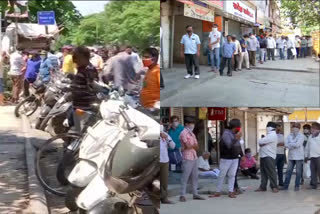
(46, 18)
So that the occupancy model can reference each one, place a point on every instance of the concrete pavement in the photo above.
(14, 196)
(255, 88)
(285, 202)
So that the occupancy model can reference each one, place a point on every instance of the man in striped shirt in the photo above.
(189, 147)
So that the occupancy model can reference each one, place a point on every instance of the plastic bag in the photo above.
(306, 170)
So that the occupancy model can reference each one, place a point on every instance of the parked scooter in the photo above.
(119, 156)
(53, 93)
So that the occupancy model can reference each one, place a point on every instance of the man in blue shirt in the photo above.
(33, 66)
(190, 49)
(228, 50)
(174, 132)
(46, 68)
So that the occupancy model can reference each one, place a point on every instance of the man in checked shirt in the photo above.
(189, 147)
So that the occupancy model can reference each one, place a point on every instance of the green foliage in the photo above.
(65, 11)
(133, 22)
(303, 13)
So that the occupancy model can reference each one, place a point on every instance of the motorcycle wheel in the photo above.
(29, 105)
(71, 197)
(68, 161)
(44, 163)
(38, 123)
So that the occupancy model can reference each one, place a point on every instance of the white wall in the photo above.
(165, 25)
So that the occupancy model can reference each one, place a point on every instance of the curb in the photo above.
(38, 200)
(310, 70)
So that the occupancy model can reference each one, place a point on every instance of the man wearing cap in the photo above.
(268, 152)
(294, 142)
(189, 149)
(230, 148)
(68, 66)
(313, 154)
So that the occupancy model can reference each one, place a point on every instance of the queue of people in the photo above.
(303, 154)
(120, 66)
(236, 53)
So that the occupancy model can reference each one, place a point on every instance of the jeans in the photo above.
(215, 58)
(315, 171)
(280, 159)
(192, 60)
(299, 165)
(209, 57)
(298, 52)
(161, 81)
(289, 54)
(270, 52)
(262, 54)
(223, 64)
(303, 52)
(281, 53)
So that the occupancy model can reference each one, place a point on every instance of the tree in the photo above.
(303, 13)
(65, 12)
(137, 22)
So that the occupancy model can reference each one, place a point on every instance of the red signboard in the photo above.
(217, 113)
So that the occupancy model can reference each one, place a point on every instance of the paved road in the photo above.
(255, 88)
(13, 169)
(287, 202)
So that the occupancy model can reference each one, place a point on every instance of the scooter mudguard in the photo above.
(82, 173)
(45, 111)
(62, 109)
(93, 194)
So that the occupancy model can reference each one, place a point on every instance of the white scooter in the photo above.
(118, 155)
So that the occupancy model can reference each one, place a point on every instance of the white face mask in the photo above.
(269, 129)
(306, 131)
(214, 29)
(295, 130)
(191, 127)
(175, 124)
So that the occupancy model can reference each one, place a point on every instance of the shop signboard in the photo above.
(215, 3)
(190, 2)
(241, 10)
(217, 113)
(203, 113)
(198, 12)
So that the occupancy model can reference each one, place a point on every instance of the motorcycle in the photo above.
(52, 94)
(30, 104)
(118, 161)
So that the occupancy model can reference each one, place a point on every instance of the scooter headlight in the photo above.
(82, 173)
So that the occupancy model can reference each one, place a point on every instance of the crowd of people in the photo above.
(179, 146)
(237, 53)
(121, 67)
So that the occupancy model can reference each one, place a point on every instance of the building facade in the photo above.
(232, 17)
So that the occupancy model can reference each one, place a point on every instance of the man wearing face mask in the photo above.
(150, 93)
(175, 130)
(190, 50)
(165, 143)
(46, 69)
(252, 48)
(313, 154)
(294, 142)
(268, 152)
(214, 45)
(189, 147)
(249, 165)
(230, 149)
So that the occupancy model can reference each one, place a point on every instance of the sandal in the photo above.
(215, 195)
(182, 199)
(232, 195)
(260, 190)
(275, 190)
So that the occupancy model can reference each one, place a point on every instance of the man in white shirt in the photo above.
(271, 45)
(190, 50)
(294, 142)
(290, 47)
(306, 166)
(268, 152)
(281, 43)
(236, 58)
(297, 44)
(281, 157)
(16, 65)
(204, 167)
(214, 46)
(313, 154)
(165, 143)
